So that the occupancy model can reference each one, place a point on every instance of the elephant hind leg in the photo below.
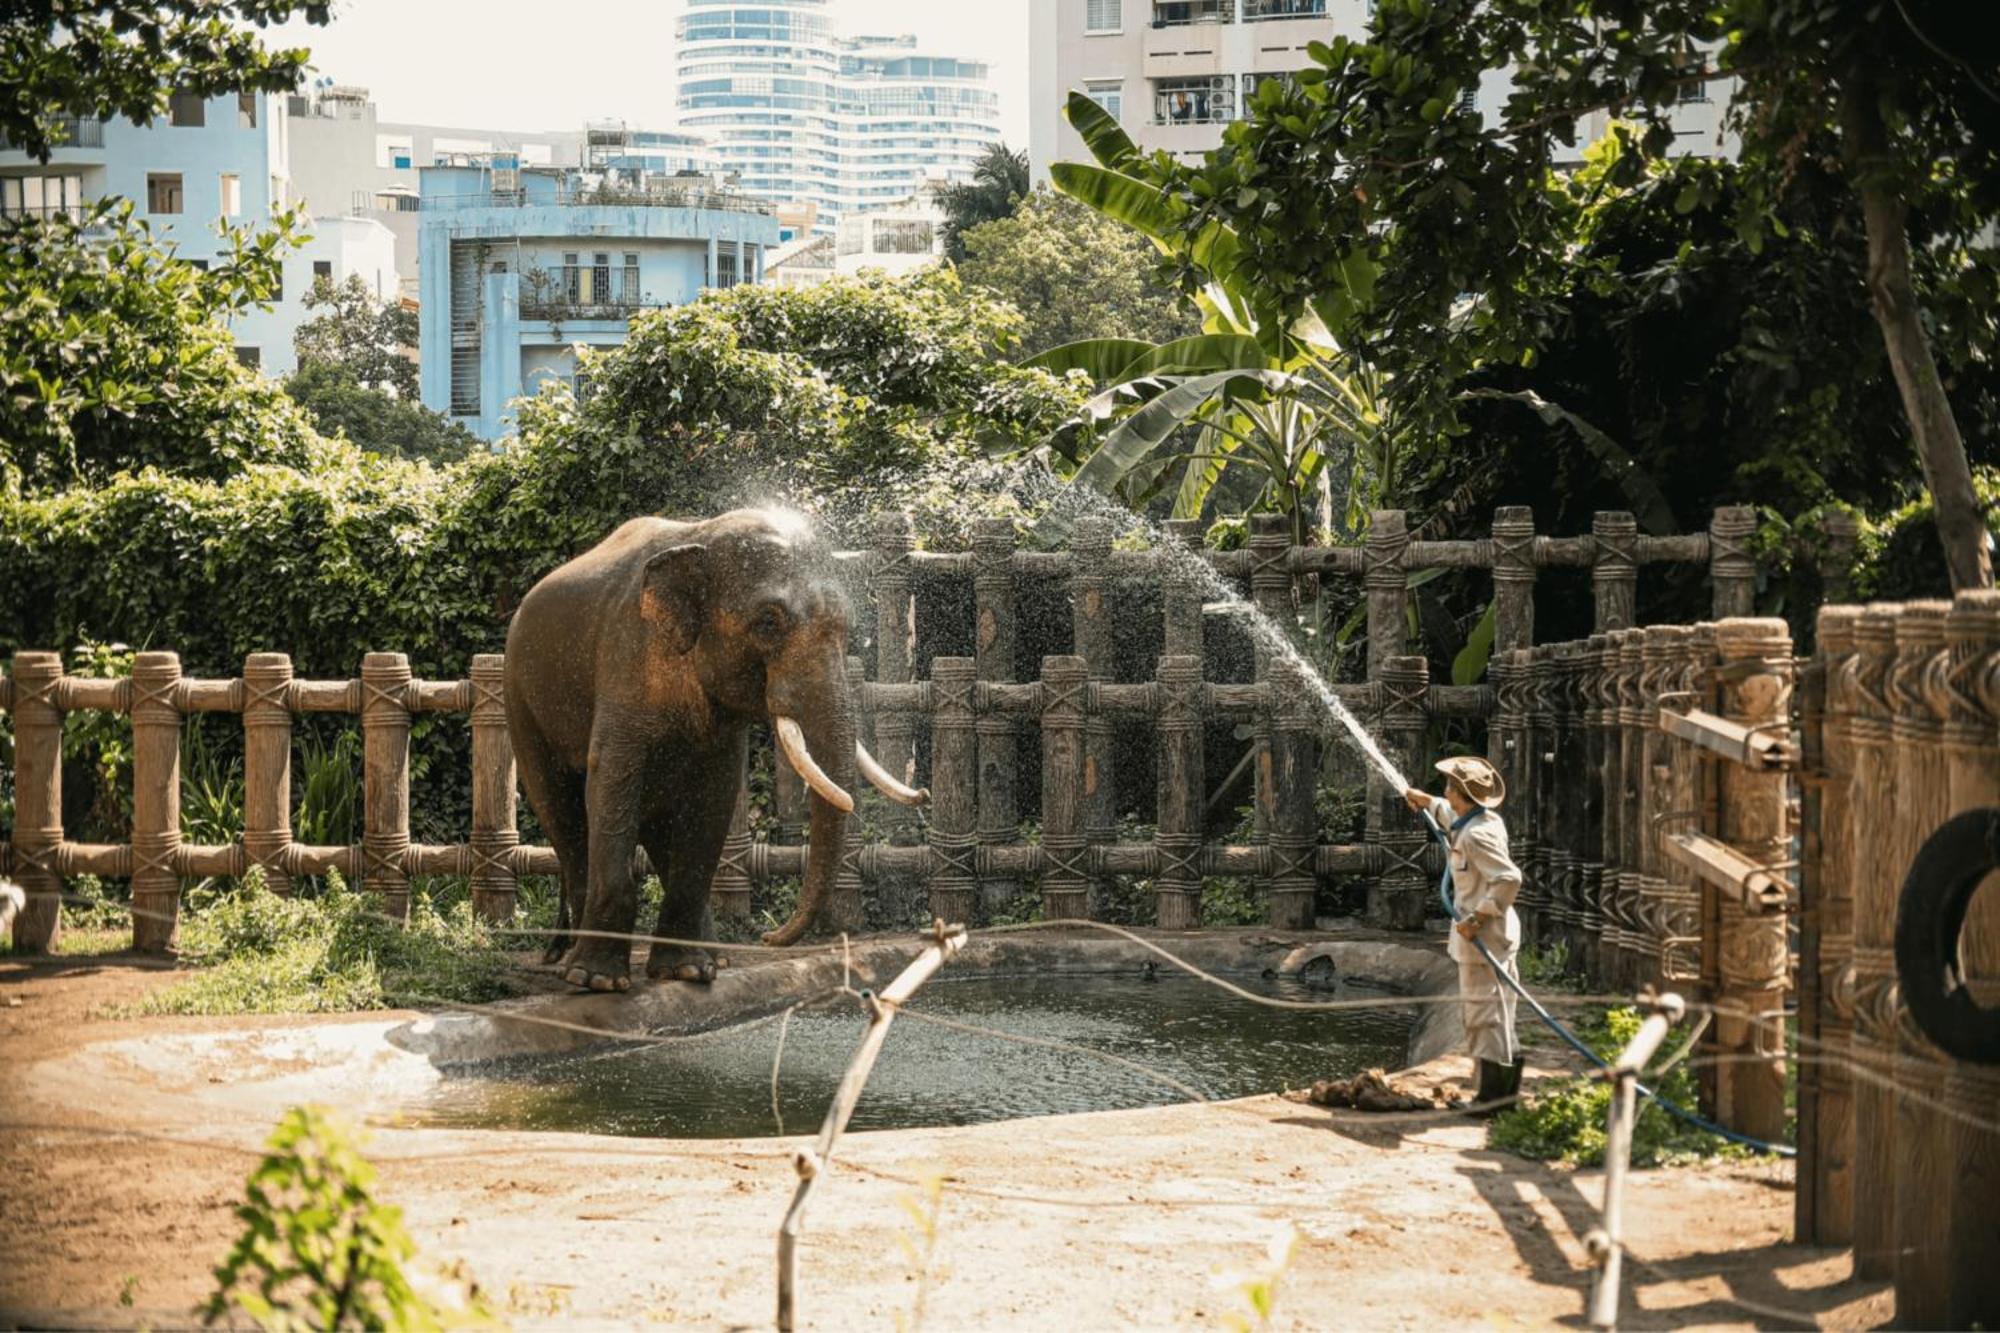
(557, 797)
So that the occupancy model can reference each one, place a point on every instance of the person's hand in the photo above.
(1468, 929)
(1418, 799)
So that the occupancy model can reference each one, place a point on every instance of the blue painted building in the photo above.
(518, 265)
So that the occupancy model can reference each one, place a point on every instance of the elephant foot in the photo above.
(558, 946)
(680, 962)
(598, 965)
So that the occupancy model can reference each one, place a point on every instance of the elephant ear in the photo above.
(676, 588)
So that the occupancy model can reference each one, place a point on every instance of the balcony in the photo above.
(601, 196)
(1180, 13)
(1207, 100)
(67, 132)
(1258, 11)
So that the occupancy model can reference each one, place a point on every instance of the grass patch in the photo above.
(257, 953)
(1567, 1122)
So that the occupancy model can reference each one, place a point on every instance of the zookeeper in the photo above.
(1484, 881)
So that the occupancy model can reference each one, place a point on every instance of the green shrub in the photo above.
(318, 1250)
(255, 952)
(1567, 1123)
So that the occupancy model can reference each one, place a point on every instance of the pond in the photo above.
(718, 1084)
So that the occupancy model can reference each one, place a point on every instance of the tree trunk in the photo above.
(1892, 293)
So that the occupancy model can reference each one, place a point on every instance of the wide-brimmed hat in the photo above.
(1479, 779)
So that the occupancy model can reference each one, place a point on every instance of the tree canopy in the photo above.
(999, 182)
(1073, 273)
(1365, 192)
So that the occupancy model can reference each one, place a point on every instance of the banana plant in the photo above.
(1248, 392)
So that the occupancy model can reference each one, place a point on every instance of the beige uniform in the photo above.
(1484, 880)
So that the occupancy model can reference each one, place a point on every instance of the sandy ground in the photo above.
(1120, 1219)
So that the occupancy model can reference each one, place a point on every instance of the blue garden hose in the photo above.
(1576, 1044)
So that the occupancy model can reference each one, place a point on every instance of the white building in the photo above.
(897, 239)
(800, 115)
(1175, 72)
(208, 160)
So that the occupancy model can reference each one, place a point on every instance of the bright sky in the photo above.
(532, 65)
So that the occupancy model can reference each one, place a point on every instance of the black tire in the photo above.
(1930, 915)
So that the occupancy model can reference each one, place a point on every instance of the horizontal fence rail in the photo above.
(970, 711)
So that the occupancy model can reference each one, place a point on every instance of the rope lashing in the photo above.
(1576, 1043)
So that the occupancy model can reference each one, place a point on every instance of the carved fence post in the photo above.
(1513, 578)
(1504, 736)
(729, 887)
(494, 832)
(1399, 896)
(1271, 592)
(954, 745)
(1181, 798)
(1836, 562)
(1591, 680)
(1289, 769)
(1659, 659)
(1388, 628)
(1732, 571)
(1614, 570)
(1090, 613)
(385, 761)
(1680, 921)
(1873, 796)
(156, 800)
(1539, 759)
(895, 642)
(993, 650)
(1563, 796)
(1065, 851)
(1756, 667)
(1972, 738)
(1611, 692)
(38, 831)
(1824, 1212)
(1923, 801)
(845, 909)
(1182, 590)
(1635, 718)
(267, 765)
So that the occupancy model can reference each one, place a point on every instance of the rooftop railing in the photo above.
(601, 197)
(67, 132)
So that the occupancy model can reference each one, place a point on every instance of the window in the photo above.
(201, 264)
(630, 295)
(600, 279)
(1208, 100)
(188, 110)
(1174, 13)
(1107, 93)
(572, 280)
(1255, 10)
(1103, 16)
(163, 192)
(1468, 101)
(1691, 93)
(393, 150)
(252, 357)
(725, 266)
(246, 111)
(322, 268)
(903, 236)
(232, 195)
(40, 196)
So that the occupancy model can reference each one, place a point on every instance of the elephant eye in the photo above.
(769, 622)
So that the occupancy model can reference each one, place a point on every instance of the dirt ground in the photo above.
(1143, 1218)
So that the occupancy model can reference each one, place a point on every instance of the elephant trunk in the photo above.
(825, 733)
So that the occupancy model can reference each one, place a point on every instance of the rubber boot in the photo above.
(1492, 1078)
(1509, 1088)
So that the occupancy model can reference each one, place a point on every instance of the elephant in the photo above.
(633, 676)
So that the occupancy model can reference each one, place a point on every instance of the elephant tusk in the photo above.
(793, 742)
(871, 768)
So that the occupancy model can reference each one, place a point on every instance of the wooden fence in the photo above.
(971, 850)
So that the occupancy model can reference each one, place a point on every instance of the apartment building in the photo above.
(822, 123)
(1175, 72)
(207, 160)
(521, 263)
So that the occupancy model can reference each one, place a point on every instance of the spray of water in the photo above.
(1067, 501)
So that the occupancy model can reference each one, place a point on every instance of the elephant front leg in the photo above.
(601, 957)
(690, 843)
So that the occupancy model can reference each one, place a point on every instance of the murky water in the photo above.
(719, 1086)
